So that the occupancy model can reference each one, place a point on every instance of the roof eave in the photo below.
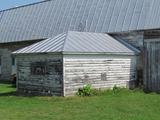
(99, 53)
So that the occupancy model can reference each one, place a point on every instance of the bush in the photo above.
(116, 89)
(85, 91)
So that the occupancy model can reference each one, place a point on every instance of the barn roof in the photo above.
(79, 42)
(52, 17)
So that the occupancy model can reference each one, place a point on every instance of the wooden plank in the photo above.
(49, 83)
(152, 66)
(79, 72)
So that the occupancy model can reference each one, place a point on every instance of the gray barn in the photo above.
(135, 22)
(61, 65)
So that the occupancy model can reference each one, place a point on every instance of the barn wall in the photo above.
(102, 71)
(6, 64)
(50, 83)
(152, 66)
(151, 61)
(6, 67)
(136, 39)
(13, 46)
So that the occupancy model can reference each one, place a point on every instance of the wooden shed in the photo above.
(61, 65)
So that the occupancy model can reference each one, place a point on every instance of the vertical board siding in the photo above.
(48, 84)
(152, 68)
(99, 71)
(6, 64)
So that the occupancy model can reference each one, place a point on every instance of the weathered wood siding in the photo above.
(6, 58)
(50, 83)
(102, 71)
(133, 38)
(152, 65)
(6, 65)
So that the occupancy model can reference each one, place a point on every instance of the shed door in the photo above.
(152, 66)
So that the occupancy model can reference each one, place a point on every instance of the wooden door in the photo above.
(152, 66)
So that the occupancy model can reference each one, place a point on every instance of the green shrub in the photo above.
(116, 89)
(85, 91)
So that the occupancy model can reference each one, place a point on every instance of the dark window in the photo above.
(38, 68)
(13, 61)
(0, 60)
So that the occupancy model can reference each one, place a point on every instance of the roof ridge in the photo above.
(66, 37)
(25, 5)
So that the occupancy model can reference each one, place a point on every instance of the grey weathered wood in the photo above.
(48, 84)
(79, 71)
(152, 74)
(76, 71)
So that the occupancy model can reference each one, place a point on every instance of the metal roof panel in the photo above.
(49, 18)
(78, 42)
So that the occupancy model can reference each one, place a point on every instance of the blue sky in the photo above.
(4, 4)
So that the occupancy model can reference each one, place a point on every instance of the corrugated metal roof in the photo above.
(153, 20)
(50, 18)
(79, 42)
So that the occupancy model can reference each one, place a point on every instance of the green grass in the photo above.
(124, 105)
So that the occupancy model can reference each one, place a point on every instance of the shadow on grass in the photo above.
(22, 94)
(17, 94)
(5, 82)
(14, 93)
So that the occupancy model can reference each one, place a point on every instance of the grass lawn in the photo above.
(124, 105)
